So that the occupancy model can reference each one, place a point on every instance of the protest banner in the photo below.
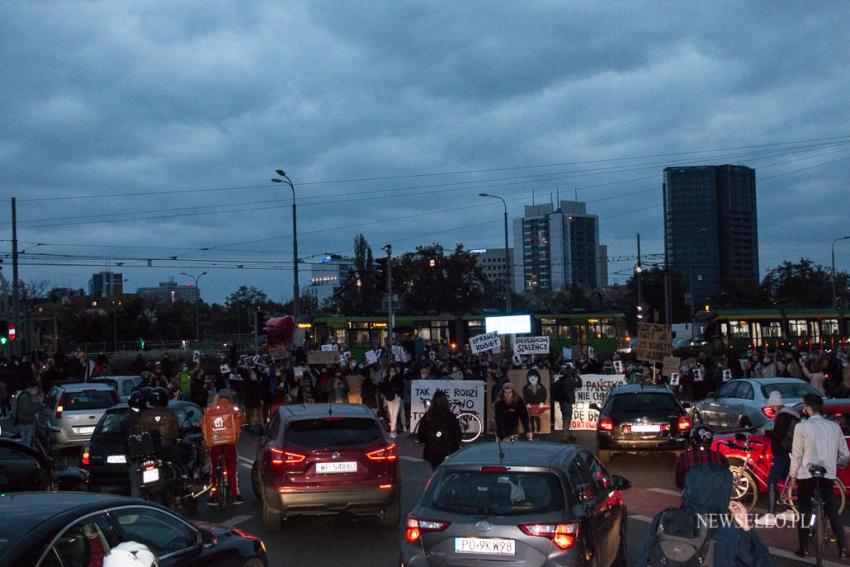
(224, 369)
(594, 390)
(483, 343)
(399, 354)
(654, 342)
(465, 396)
(196, 356)
(328, 348)
(531, 345)
(322, 357)
(567, 353)
(373, 356)
(670, 365)
(279, 352)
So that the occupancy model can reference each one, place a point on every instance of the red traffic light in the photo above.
(12, 333)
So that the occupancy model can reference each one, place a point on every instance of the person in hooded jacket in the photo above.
(511, 413)
(707, 491)
(786, 417)
(439, 430)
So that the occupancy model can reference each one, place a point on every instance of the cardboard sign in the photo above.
(465, 396)
(322, 357)
(278, 352)
(654, 342)
(594, 390)
(531, 345)
(373, 356)
(671, 364)
(483, 343)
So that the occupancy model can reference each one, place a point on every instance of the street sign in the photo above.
(654, 342)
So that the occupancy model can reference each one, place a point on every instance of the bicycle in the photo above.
(222, 483)
(818, 515)
(470, 424)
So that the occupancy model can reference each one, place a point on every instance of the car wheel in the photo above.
(745, 423)
(272, 521)
(391, 515)
(604, 456)
(622, 552)
(255, 483)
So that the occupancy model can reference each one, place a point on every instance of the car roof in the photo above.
(773, 380)
(80, 386)
(637, 388)
(521, 454)
(29, 509)
(171, 404)
(830, 406)
(324, 410)
(123, 377)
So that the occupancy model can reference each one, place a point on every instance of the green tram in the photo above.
(605, 332)
(775, 328)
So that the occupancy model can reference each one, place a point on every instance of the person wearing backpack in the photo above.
(707, 530)
(439, 430)
(781, 439)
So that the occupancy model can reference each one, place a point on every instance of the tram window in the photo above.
(798, 327)
(739, 330)
(829, 327)
(771, 329)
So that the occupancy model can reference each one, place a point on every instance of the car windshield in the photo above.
(789, 389)
(332, 432)
(644, 402)
(87, 400)
(494, 493)
(110, 423)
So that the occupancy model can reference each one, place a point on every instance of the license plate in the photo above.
(117, 459)
(84, 430)
(151, 475)
(646, 428)
(485, 546)
(326, 468)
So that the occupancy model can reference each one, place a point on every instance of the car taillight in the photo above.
(85, 458)
(627, 428)
(562, 535)
(385, 454)
(768, 412)
(281, 457)
(416, 527)
(665, 427)
(115, 397)
(684, 423)
(605, 423)
(59, 410)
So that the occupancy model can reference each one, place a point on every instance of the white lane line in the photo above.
(235, 521)
(246, 460)
(773, 550)
(665, 491)
(247, 466)
(411, 459)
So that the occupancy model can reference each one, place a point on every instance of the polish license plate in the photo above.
(646, 428)
(88, 430)
(150, 475)
(117, 459)
(330, 468)
(485, 546)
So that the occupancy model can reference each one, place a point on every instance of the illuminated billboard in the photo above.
(509, 324)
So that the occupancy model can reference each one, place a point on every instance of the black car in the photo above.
(104, 456)
(638, 418)
(56, 529)
(23, 468)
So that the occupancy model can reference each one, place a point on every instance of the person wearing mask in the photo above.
(770, 370)
(511, 413)
(136, 405)
(793, 367)
(221, 427)
(813, 371)
(391, 390)
(439, 430)
(699, 453)
(25, 410)
(785, 420)
(339, 388)
(535, 399)
(817, 441)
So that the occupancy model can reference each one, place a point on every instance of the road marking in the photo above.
(246, 460)
(247, 466)
(411, 459)
(665, 491)
(773, 550)
(235, 521)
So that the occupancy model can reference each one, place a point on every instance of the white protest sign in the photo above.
(516, 359)
(674, 379)
(432, 355)
(373, 356)
(567, 353)
(224, 369)
(399, 354)
(531, 345)
(727, 375)
(196, 356)
(328, 348)
(594, 389)
(345, 356)
(618, 367)
(465, 396)
(485, 342)
(698, 375)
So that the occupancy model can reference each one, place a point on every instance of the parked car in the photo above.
(636, 418)
(742, 403)
(522, 504)
(53, 529)
(326, 459)
(124, 385)
(70, 414)
(104, 455)
(23, 468)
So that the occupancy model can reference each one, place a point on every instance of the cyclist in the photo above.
(510, 412)
(817, 441)
(439, 430)
(221, 427)
(699, 453)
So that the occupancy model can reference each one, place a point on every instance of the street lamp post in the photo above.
(834, 292)
(197, 301)
(508, 258)
(296, 292)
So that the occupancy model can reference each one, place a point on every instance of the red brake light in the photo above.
(605, 423)
(386, 454)
(59, 406)
(562, 535)
(665, 427)
(281, 457)
(684, 423)
(627, 428)
(85, 459)
(494, 469)
(768, 412)
(416, 527)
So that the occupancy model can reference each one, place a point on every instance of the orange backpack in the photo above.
(221, 425)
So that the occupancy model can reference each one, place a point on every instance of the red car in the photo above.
(326, 459)
(757, 464)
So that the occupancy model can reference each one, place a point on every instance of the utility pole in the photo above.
(16, 299)
(668, 319)
(296, 289)
(834, 288)
(638, 274)
(390, 319)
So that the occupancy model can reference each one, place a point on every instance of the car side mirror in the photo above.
(190, 413)
(740, 437)
(595, 407)
(621, 483)
(206, 538)
(686, 405)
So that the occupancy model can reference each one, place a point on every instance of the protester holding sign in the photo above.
(511, 413)
(535, 399)
(564, 392)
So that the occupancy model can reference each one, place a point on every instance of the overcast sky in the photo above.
(390, 117)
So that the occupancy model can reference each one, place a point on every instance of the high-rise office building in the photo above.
(171, 291)
(106, 284)
(710, 226)
(559, 247)
(328, 276)
(494, 263)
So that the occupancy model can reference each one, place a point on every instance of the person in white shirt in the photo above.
(817, 441)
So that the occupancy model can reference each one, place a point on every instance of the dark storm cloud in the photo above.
(119, 98)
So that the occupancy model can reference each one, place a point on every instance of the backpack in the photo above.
(439, 438)
(681, 540)
(788, 441)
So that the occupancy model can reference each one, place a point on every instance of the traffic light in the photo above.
(640, 312)
(4, 337)
(12, 333)
(141, 344)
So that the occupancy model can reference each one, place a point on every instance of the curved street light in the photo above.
(508, 256)
(296, 292)
(197, 301)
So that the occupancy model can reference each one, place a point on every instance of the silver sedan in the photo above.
(742, 402)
